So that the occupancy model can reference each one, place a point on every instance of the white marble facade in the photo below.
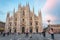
(24, 20)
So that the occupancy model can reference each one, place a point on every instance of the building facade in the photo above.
(56, 28)
(23, 20)
(2, 26)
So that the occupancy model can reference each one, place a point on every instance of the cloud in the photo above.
(49, 5)
(49, 17)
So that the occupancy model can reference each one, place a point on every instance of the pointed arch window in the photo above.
(30, 23)
(10, 23)
(23, 12)
(36, 23)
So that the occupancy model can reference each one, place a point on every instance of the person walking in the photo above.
(52, 33)
(44, 33)
(27, 33)
(3, 34)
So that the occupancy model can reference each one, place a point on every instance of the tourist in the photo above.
(27, 33)
(7, 33)
(52, 33)
(3, 34)
(30, 35)
(44, 34)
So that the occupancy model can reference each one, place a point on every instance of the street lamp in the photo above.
(49, 21)
(48, 24)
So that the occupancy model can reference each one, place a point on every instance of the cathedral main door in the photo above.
(37, 30)
(23, 29)
(31, 29)
(9, 30)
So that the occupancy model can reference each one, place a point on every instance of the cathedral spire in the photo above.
(7, 23)
(27, 4)
(14, 10)
(27, 7)
(8, 14)
(39, 13)
(19, 6)
(40, 21)
(33, 9)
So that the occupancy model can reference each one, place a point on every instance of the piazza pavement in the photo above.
(24, 37)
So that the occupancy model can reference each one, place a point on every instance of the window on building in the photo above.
(23, 20)
(30, 23)
(10, 23)
(36, 23)
(15, 19)
(15, 24)
(30, 18)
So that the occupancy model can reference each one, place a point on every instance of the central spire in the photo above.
(27, 4)
(14, 10)
(19, 6)
(8, 14)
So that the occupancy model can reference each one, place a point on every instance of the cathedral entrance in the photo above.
(36, 29)
(9, 30)
(15, 30)
(23, 29)
(31, 29)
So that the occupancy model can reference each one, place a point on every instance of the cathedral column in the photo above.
(27, 23)
(27, 18)
(13, 25)
(40, 29)
(33, 22)
(18, 19)
(7, 23)
(18, 23)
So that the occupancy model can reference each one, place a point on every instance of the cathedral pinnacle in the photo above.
(33, 9)
(14, 10)
(39, 13)
(27, 4)
(19, 6)
(8, 14)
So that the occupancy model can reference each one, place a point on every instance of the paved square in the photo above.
(34, 37)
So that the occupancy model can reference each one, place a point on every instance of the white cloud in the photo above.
(49, 17)
(47, 7)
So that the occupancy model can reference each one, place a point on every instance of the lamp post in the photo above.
(49, 24)
(49, 21)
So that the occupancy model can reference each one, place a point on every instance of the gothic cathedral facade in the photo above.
(24, 20)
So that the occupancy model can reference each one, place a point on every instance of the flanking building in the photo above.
(2, 26)
(56, 28)
(24, 20)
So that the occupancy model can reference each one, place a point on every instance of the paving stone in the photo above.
(34, 37)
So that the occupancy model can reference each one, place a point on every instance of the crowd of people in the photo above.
(27, 33)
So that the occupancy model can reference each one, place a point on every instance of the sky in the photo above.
(50, 9)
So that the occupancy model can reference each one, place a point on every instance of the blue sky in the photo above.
(50, 8)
